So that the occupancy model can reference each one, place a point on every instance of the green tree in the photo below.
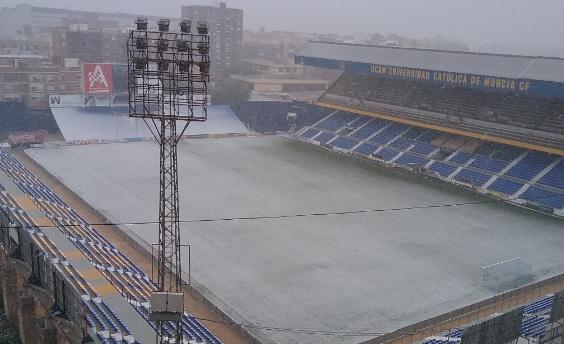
(230, 92)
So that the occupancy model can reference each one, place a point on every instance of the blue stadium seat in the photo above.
(505, 186)
(94, 246)
(461, 157)
(475, 178)
(309, 133)
(443, 169)
(324, 137)
(530, 165)
(369, 129)
(344, 143)
(359, 122)
(554, 177)
(540, 305)
(365, 149)
(543, 197)
(336, 121)
(491, 165)
(423, 148)
(402, 143)
(386, 154)
(410, 159)
(388, 134)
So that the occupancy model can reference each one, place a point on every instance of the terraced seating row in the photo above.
(99, 316)
(515, 169)
(128, 278)
(463, 103)
(444, 170)
(533, 324)
(554, 178)
(472, 177)
(534, 327)
(539, 306)
(543, 197)
(336, 120)
(530, 165)
(506, 187)
(193, 329)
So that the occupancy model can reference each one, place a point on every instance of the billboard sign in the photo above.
(66, 100)
(17, 139)
(120, 100)
(97, 78)
(97, 100)
(547, 89)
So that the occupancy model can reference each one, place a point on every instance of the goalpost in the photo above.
(505, 275)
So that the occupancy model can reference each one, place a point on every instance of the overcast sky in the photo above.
(478, 23)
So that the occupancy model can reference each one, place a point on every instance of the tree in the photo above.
(230, 92)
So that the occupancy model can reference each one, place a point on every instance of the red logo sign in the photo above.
(97, 78)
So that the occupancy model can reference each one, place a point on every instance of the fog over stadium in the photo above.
(282, 172)
(500, 26)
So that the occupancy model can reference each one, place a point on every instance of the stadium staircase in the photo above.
(512, 173)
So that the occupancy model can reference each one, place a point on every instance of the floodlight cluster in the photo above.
(168, 72)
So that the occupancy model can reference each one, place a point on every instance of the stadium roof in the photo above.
(506, 66)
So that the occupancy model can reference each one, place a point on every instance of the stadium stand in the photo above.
(533, 324)
(554, 177)
(524, 111)
(433, 109)
(531, 165)
(118, 269)
(527, 176)
(16, 117)
(514, 100)
(270, 116)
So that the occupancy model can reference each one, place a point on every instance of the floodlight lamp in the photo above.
(162, 66)
(163, 24)
(204, 67)
(141, 43)
(162, 45)
(183, 46)
(203, 49)
(202, 28)
(185, 26)
(184, 66)
(141, 23)
(140, 63)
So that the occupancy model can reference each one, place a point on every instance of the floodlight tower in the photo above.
(168, 76)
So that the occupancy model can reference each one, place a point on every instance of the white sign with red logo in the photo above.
(97, 78)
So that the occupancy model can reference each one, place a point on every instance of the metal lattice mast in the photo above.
(168, 75)
(169, 231)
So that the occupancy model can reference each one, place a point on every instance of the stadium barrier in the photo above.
(125, 140)
(417, 332)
